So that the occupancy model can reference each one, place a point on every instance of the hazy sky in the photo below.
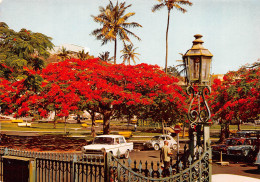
(230, 28)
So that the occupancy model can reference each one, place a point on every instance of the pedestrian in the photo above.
(165, 158)
(135, 127)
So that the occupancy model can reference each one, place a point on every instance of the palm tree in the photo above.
(129, 53)
(170, 4)
(114, 21)
(82, 55)
(64, 54)
(183, 68)
(104, 56)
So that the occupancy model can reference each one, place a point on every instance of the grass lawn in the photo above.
(42, 127)
(77, 129)
(234, 127)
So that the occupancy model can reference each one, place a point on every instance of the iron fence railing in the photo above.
(54, 167)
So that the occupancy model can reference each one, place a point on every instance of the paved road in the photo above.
(233, 168)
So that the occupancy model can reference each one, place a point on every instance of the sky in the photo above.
(230, 28)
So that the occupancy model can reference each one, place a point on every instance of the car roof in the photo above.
(161, 135)
(110, 136)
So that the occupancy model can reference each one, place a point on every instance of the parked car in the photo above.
(245, 149)
(247, 133)
(108, 143)
(257, 162)
(157, 142)
(216, 149)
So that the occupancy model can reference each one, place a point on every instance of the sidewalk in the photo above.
(233, 178)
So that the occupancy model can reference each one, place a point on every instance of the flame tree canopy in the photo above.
(75, 85)
(237, 96)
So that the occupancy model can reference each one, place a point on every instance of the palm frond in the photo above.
(132, 34)
(157, 7)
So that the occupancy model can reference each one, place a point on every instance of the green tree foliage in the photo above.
(21, 49)
(114, 21)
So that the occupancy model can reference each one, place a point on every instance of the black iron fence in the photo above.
(53, 167)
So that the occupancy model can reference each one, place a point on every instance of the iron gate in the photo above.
(187, 169)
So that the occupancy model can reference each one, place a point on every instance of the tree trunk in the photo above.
(115, 51)
(93, 124)
(163, 130)
(129, 119)
(183, 130)
(227, 130)
(54, 121)
(65, 127)
(106, 122)
(238, 126)
(222, 134)
(78, 118)
(167, 29)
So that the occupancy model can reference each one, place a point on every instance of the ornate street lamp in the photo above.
(198, 64)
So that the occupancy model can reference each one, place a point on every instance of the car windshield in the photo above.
(103, 140)
(156, 138)
(235, 142)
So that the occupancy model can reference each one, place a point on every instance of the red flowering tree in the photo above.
(236, 98)
(74, 85)
(107, 88)
(20, 97)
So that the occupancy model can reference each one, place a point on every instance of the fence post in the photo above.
(73, 176)
(32, 170)
(210, 161)
(106, 167)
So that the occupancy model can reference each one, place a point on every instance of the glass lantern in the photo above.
(198, 62)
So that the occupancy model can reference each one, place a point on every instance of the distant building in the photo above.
(217, 76)
(69, 47)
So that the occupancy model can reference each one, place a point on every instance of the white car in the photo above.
(157, 142)
(109, 143)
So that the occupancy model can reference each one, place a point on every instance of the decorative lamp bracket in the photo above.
(198, 113)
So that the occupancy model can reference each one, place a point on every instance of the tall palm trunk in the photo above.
(115, 52)
(167, 29)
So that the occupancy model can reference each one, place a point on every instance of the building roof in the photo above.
(69, 47)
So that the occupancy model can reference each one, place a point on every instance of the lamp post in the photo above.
(198, 64)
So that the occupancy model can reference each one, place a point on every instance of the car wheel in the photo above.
(174, 147)
(127, 154)
(245, 152)
(156, 147)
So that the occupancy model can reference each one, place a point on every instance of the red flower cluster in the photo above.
(237, 96)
